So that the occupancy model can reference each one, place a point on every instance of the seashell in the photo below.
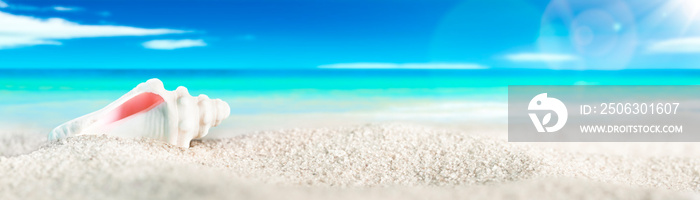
(149, 110)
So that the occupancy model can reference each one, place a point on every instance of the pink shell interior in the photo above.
(140, 103)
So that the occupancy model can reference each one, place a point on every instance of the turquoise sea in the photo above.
(46, 98)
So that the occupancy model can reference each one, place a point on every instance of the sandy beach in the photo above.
(370, 161)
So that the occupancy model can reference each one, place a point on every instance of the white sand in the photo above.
(391, 161)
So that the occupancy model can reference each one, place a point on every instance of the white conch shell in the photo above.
(149, 110)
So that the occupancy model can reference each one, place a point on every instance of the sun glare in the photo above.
(688, 11)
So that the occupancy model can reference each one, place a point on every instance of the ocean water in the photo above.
(46, 98)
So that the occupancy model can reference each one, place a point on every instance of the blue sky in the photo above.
(264, 34)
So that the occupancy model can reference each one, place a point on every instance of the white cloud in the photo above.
(35, 8)
(66, 9)
(540, 57)
(677, 45)
(16, 31)
(173, 44)
(403, 66)
(26, 8)
(9, 42)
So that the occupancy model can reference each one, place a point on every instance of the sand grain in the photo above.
(390, 161)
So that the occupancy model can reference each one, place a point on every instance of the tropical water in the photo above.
(45, 98)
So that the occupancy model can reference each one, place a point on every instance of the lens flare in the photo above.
(602, 34)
